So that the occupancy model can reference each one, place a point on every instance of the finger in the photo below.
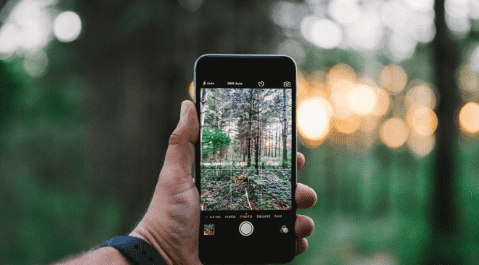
(187, 128)
(305, 196)
(304, 226)
(180, 155)
(301, 160)
(302, 245)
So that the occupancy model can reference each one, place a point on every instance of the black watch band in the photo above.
(137, 251)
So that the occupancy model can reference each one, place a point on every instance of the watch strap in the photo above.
(137, 251)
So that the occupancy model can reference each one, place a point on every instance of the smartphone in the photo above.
(245, 168)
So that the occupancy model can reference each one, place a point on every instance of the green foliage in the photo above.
(214, 142)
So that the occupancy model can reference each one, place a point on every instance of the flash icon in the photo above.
(204, 82)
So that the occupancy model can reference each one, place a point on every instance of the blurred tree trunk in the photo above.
(139, 58)
(443, 245)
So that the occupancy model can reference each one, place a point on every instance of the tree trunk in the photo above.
(245, 143)
(202, 113)
(228, 134)
(250, 136)
(285, 126)
(276, 151)
(443, 242)
(258, 138)
(271, 140)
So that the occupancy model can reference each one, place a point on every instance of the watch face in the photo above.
(246, 158)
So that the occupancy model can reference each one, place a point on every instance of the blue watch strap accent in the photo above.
(137, 251)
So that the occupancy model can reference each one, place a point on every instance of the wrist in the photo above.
(110, 255)
(142, 233)
(103, 255)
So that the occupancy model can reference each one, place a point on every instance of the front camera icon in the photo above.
(261, 83)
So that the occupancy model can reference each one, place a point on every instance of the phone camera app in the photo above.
(287, 84)
(246, 149)
(209, 230)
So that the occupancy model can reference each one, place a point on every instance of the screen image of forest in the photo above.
(246, 145)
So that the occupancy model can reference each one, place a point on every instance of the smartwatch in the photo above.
(135, 250)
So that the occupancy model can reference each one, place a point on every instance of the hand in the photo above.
(172, 221)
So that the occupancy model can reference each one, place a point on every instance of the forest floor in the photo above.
(270, 189)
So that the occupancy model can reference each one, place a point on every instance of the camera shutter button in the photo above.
(246, 228)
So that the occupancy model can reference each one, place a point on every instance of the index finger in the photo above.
(300, 160)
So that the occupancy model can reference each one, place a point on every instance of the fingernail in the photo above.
(183, 110)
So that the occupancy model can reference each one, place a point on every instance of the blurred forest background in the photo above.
(387, 118)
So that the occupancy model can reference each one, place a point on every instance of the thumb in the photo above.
(180, 155)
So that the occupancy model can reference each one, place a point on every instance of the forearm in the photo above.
(103, 255)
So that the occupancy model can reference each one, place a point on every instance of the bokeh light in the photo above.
(67, 26)
(340, 73)
(339, 99)
(314, 115)
(421, 5)
(340, 80)
(459, 26)
(323, 33)
(402, 45)
(420, 95)
(8, 39)
(393, 78)
(348, 125)
(344, 11)
(367, 32)
(469, 118)
(423, 121)
(426, 30)
(362, 99)
(382, 103)
(394, 15)
(474, 9)
(421, 145)
(33, 25)
(457, 8)
(26, 29)
(457, 16)
(393, 132)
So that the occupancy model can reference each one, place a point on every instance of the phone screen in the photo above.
(246, 146)
(246, 158)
